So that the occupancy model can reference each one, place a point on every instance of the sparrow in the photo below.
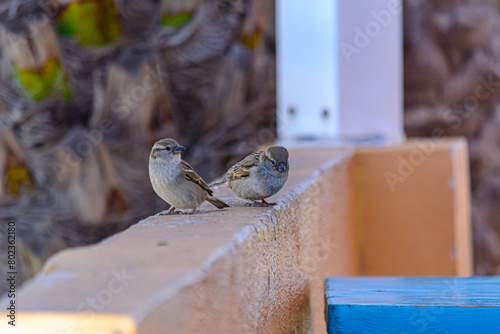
(258, 176)
(175, 181)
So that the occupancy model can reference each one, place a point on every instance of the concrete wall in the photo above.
(412, 209)
(257, 270)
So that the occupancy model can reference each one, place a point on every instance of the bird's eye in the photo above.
(273, 162)
(167, 148)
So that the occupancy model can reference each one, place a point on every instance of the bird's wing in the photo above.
(242, 169)
(192, 176)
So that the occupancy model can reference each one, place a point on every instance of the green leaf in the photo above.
(176, 20)
(95, 23)
(38, 84)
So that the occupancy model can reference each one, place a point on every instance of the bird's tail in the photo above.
(218, 182)
(217, 202)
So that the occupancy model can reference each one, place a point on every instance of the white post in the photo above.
(307, 75)
(339, 69)
(371, 69)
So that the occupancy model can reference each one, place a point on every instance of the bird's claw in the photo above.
(173, 212)
(170, 213)
(257, 204)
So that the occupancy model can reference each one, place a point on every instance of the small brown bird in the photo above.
(258, 176)
(175, 181)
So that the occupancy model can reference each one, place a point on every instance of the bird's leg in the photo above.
(264, 203)
(170, 212)
(192, 212)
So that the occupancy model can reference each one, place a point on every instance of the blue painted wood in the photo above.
(413, 305)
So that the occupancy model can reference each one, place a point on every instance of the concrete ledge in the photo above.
(241, 270)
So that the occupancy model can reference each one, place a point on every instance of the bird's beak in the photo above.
(179, 149)
(281, 167)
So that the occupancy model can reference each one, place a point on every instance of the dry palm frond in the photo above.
(451, 74)
(131, 84)
(15, 176)
(186, 73)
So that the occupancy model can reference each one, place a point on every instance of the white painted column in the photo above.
(307, 75)
(371, 69)
(339, 69)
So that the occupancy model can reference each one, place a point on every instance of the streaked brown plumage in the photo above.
(259, 175)
(175, 181)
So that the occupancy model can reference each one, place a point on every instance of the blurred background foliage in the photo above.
(452, 88)
(87, 86)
